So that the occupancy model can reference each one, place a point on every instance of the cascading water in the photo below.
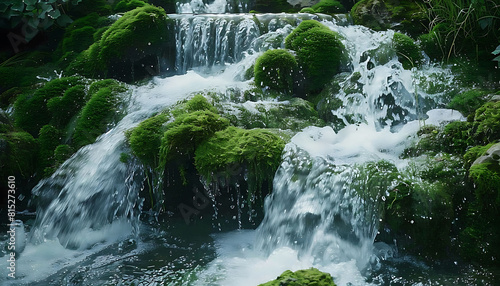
(217, 6)
(324, 210)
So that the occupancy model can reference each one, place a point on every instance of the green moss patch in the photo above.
(309, 277)
(328, 7)
(275, 69)
(98, 112)
(18, 154)
(319, 53)
(408, 52)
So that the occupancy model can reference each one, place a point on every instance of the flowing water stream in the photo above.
(88, 229)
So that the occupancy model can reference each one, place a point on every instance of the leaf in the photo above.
(496, 51)
(485, 23)
(64, 20)
(30, 2)
(54, 14)
(3, 7)
(19, 6)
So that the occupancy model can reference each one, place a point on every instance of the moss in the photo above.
(62, 153)
(16, 76)
(319, 53)
(433, 44)
(259, 150)
(408, 16)
(137, 35)
(98, 112)
(64, 107)
(48, 139)
(475, 152)
(309, 277)
(127, 5)
(275, 69)
(187, 132)
(274, 6)
(467, 102)
(9, 96)
(31, 111)
(487, 122)
(145, 139)
(308, 10)
(457, 137)
(87, 7)
(196, 103)
(18, 154)
(328, 7)
(133, 35)
(408, 52)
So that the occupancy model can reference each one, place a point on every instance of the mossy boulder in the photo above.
(18, 154)
(275, 69)
(487, 122)
(187, 132)
(137, 38)
(294, 114)
(258, 149)
(30, 109)
(49, 138)
(407, 16)
(127, 5)
(64, 107)
(309, 277)
(99, 111)
(274, 6)
(319, 54)
(408, 52)
(145, 139)
(469, 101)
(328, 7)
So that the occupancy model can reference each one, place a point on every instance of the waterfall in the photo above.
(216, 6)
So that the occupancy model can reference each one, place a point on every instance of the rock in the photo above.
(309, 277)
(491, 156)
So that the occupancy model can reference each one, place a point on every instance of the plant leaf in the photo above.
(496, 51)
(64, 20)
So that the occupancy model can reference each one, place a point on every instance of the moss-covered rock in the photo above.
(274, 6)
(99, 111)
(127, 5)
(294, 114)
(64, 107)
(18, 154)
(309, 277)
(328, 7)
(275, 69)
(469, 101)
(487, 122)
(378, 15)
(138, 37)
(259, 149)
(408, 52)
(49, 138)
(145, 139)
(187, 132)
(319, 53)
(31, 111)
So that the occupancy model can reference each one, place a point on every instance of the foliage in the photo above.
(97, 113)
(408, 52)
(309, 277)
(407, 16)
(328, 7)
(468, 24)
(187, 132)
(31, 111)
(275, 69)
(307, 10)
(475, 152)
(319, 53)
(496, 52)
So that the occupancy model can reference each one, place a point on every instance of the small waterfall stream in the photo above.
(324, 210)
